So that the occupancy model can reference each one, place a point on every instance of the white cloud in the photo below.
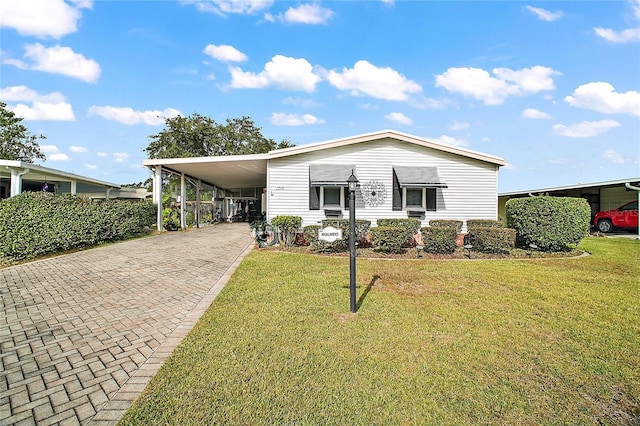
(367, 79)
(74, 148)
(602, 97)
(310, 13)
(49, 149)
(485, 139)
(225, 53)
(450, 140)
(625, 36)
(91, 166)
(535, 114)
(57, 60)
(399, 117)
(129, 116)
(102, 154)
(58, 156)
(479, 84)
(120, 157)
(51, 107)
(282, 119)
(457, 126)
(585, 129)
(303, 103)
(613, 156)
(544, 14)
(282, 72)
(42, 18)
(225, 7)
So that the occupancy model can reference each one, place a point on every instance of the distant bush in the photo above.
(551, 223)
(439, 239)
(388, 239)
(288, 227)
(484, 223)
(35, 224)
(410, 226)
(492, 239)
(442, 223)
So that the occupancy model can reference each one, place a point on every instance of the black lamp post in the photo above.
(353, 183)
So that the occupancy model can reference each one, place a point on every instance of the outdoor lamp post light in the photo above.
(353, 183)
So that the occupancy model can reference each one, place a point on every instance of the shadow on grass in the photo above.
(366, 291)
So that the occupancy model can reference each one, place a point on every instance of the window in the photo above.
(415, 189)
(331, 197)
(327, 183)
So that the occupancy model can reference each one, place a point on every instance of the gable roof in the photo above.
(387, 134)
(244, 171)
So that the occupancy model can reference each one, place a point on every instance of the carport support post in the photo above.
(183, 202)
(635, 188)
(198, 203)
(157, 194)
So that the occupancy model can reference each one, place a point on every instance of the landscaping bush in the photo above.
(388, 239)
(288, 227)
(410, 226)
(439, 239)
(170, 219)
(442, 223)
(483, 223)
(492, 239)
(35, 224)
(310, 235)
(551, 223)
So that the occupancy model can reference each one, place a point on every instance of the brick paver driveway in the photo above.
(82, 334)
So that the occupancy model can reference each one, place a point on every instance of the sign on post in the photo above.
(329, 234)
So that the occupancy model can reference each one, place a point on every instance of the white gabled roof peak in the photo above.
(383, 134)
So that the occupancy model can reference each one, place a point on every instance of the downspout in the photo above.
(635, 188)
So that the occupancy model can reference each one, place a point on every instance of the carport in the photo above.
(226, 175)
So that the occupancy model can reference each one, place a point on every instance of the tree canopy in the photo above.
(200, 136)
(16, 143)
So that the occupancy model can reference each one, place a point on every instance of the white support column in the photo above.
(74, 185)
(198, 203)
(183, 202)
(107, 192)
(16, 181)
(157, 195)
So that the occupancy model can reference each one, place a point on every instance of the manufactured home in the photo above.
(399, 176)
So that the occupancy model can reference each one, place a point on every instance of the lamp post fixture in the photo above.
(353, 183)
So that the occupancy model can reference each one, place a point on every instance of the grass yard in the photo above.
(541, 341)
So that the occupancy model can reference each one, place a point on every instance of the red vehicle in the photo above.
(624, 217)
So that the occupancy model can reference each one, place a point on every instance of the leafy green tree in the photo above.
(200, 136)
(16, 143)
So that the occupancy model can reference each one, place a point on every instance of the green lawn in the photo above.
(541, 341)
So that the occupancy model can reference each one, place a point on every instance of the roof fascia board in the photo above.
(202, 160)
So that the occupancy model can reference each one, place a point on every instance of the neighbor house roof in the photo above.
(244, 171)
(37, 172)
(602, 184)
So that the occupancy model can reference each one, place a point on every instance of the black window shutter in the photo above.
(397, 193)
(431, 199)
(314, 198)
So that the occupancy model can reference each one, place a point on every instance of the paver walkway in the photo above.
(82, 334)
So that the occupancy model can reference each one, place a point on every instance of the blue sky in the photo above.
(552, 87)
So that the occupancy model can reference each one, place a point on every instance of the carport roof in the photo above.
(245, 171)
(41, 173)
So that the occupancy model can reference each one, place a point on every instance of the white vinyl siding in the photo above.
(471, 191)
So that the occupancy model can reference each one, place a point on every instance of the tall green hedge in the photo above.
(35, 224)
(551, 223)
(411, 227)
(439, 239)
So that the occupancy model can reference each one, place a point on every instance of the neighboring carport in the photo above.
(224, 173)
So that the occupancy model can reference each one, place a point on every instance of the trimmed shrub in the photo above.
(36, 224)
(492, 239)
(439, 239)
(483, 223)
(551, 223)
(388, 239)
(442, 223)
(410, 226)
(288, 227)
(170, 219)
(362, 229)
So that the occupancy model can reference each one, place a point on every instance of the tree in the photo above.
(200, 136)
(16, 143)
